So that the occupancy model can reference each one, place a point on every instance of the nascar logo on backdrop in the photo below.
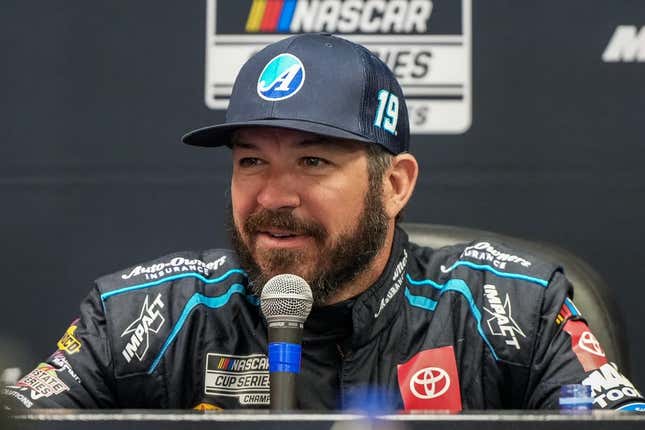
(426, 43)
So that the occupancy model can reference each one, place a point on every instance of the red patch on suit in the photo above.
(429, 380)
(563, 315)
(585, 345)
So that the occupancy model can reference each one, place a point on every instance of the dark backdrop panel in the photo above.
(93, 178)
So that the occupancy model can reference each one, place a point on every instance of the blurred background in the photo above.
(529, 120)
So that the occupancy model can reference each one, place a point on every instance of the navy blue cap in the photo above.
(317, 83)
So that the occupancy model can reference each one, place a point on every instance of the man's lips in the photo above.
(278, 233)
(276, 238)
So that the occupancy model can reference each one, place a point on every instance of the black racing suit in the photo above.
(475, 326)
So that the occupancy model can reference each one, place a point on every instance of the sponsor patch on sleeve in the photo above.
(585, 345)
(58, 360)
(43, 381)
(69, 343)
(610, 388)
(567, 311)
(18, 393)
(429, 380)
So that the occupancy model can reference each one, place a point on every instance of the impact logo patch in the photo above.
(502, 322)
(243, 376)
(281, 78)
(150, 320)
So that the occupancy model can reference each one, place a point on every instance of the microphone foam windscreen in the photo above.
(286, 298)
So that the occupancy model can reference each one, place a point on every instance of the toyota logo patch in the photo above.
(589, 343)
(585, 345)
(430, 381)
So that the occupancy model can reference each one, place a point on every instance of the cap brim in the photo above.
(220, 135)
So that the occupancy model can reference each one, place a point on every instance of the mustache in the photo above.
(285, 220)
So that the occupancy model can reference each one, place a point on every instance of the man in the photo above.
(318, 130)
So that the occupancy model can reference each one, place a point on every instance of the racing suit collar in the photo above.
(375, 308)
(333, 322)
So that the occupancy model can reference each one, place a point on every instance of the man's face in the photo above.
(302, 204)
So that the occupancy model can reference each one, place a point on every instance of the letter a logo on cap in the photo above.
(281, 78)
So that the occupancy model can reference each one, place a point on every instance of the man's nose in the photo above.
(279, 191)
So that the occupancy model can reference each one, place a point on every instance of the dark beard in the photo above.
(346, 258)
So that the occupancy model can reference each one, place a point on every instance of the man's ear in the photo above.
(399, 182)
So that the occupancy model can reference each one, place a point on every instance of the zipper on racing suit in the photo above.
(341, 373)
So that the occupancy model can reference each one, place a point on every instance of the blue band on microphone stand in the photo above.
(284, 357)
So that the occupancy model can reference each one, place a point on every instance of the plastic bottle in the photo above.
(575, 398)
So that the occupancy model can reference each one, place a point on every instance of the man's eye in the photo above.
(313, 161)
(249, 162)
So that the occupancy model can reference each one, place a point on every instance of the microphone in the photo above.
(285, 302)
